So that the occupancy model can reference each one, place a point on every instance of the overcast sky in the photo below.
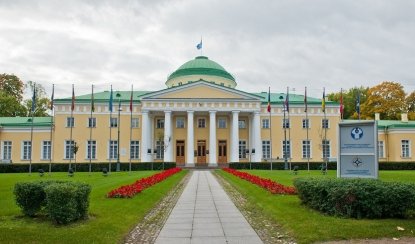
(328, 43)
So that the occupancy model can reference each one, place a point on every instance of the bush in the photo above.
(67, 202)
(357, 198)
(280, 165)
(30, 196)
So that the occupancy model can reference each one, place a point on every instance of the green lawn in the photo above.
(110, 221)
(308, 226)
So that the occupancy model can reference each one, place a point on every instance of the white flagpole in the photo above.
(51, 130)
(308, 141)
(90, 131)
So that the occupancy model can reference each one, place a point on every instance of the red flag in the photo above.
(73, 98)
(131, 99)
(269, 100)
(341, 104)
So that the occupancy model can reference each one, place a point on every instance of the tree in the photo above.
(11, 95)
(410, 105)
(42, 101)
(12, 85)
(387, 99)
(349, 100)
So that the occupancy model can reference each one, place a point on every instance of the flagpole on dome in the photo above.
(51, 128)
(199, 46)
(91, 124)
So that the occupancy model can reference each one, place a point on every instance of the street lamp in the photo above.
(118, 126)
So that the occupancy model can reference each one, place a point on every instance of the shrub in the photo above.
(357, 198)
(30, 196)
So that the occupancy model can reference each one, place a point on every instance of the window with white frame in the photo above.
(70, 122)
(285, 123)
(241, 124)
(91, 150)
(222, 123)
(26, 150)
(179, 122)
(46, 150)
(405, 148)
(7, 150)
(201, 123)
(306, 149)
(135, 123)
(135, 150)
(324, 123)
(265, 123)
(113, 122)
(160, 149)
(266, 149)
(242, 149)
(381, 148)
(113, 149)
(286, 149)
(325, 148)
(92, 122)
(69, 152)
(160, 123)
(306, 123)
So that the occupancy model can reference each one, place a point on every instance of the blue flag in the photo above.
(34, 98)
(110, 104)
(199, 45)
(358, 104)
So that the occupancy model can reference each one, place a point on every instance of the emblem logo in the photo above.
(357, 133)
(357, 162)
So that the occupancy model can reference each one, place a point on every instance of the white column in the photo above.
(190, 157)
(235, 137)
(256, 127)
(212, 139)
(145, 132)
(168, 140)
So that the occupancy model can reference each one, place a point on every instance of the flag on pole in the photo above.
(73, 98)
(305, 100)
(199, 45)
(287, 101)
(110, 102)
(92, 100)
(269, 100)
(131, 99)
(341, 103)
(52, 97)
(34, 98)
(358, 104)
(323, 101)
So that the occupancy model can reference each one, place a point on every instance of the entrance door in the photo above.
(180, 152)
(222, 152)
(201, 152)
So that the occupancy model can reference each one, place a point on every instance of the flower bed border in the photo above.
(270, 185)
(129, 191)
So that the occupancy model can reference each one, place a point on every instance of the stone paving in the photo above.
(205, 214)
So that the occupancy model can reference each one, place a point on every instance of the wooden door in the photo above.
(222, 152)
(201, 152)
(180, 152)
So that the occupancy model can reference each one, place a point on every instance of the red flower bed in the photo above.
(272, 186)
(141, 184)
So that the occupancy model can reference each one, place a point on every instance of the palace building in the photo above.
(200, 119)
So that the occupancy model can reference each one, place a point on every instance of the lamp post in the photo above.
(118, 126)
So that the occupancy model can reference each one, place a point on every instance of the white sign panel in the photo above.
(357, 153)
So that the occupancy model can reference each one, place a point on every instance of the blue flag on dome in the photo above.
(199, 45)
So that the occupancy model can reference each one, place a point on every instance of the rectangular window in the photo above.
(405, 145)
(285, 123)
(7, 150)
(242, 124)
(266, 149)
(27, 149)
(306, 123)
(92, 122)
(286, 149)
(242, 149)
(69, 149)
(324, 123)
(46, 149)
(222, 123)
(160, 123)
(113, 149)
(134, 150)
(70, 122)
(306, 149)
(381, 149)
(113, 122)
(160, 149)
(91, 150)
(180, 123)
(326, 149)
(135, 123)
(265, 123)
(201, 123)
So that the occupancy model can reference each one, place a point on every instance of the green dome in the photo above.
(201, 65)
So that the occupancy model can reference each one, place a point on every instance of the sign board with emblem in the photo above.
(358, 151)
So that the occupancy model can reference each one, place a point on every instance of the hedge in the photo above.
(83, 167)
(358, 198)
(317, 166)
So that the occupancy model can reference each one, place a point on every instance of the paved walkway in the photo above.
(205, 214)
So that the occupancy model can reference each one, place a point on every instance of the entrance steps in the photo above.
(204, 166)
